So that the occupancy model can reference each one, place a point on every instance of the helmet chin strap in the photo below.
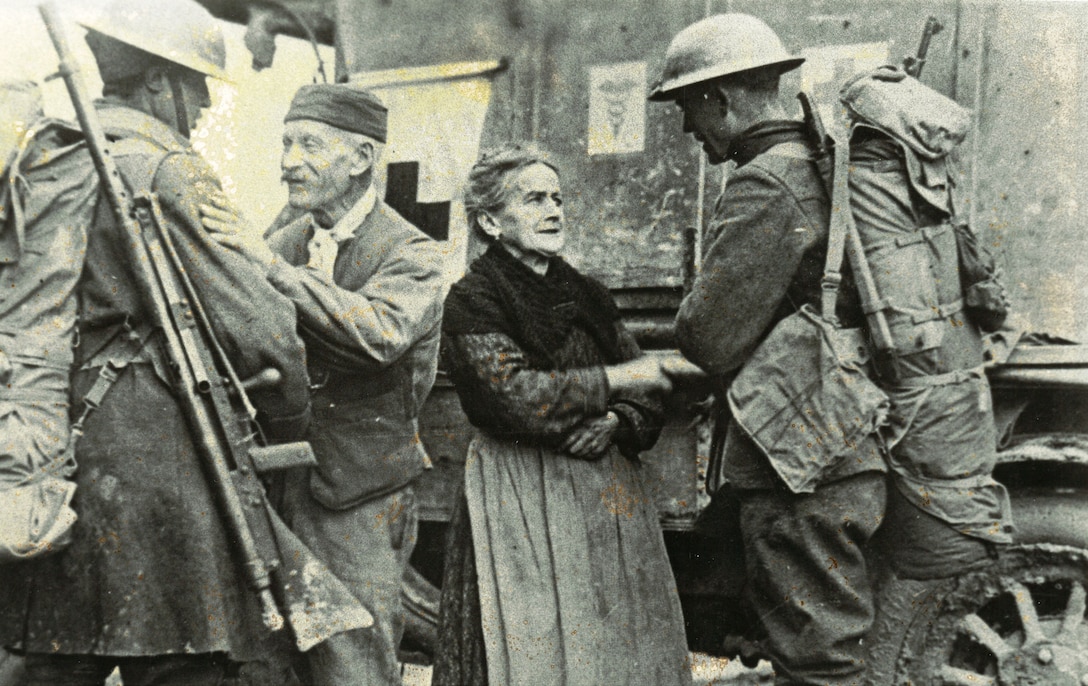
(179, 103)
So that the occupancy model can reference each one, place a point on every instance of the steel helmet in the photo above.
(180, 31)
(720, 45)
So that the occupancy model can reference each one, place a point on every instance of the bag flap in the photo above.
(926, 121)
(805, 402)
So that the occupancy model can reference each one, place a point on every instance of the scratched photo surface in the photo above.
(639, 201)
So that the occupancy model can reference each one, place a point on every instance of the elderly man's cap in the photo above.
(342, 106)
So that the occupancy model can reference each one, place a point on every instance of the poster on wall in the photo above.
(617, 109)
(436, 119)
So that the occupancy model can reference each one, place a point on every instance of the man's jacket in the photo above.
(372, 335)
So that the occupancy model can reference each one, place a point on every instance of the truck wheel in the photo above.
(1021, 621)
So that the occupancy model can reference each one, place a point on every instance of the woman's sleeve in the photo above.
(503, 396)
(641, 415)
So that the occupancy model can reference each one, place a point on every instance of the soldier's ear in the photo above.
(156, 79)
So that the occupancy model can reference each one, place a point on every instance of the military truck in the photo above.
(573, 77)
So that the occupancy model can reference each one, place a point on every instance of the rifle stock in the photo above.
(912, 64)
(214, 401)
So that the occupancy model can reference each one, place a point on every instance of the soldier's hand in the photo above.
(677, 368)
(231, 230)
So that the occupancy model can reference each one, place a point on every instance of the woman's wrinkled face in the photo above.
(531, 222)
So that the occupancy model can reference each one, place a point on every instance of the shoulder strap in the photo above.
(841, 219)
(843, 231)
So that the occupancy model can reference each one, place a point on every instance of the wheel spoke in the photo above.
(986, 636)
(1074, 610)
(954, 676)
(1029, 619)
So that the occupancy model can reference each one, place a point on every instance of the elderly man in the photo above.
(807, 579)
(149, 582)
(368, 288)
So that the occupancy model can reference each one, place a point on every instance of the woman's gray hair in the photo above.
(489, 180)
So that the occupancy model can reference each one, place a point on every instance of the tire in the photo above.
(1059, 518)
(1019, 621)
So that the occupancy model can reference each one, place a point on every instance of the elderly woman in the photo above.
(556, 571)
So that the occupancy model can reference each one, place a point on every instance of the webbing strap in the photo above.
(924, 234)
(136, 339)
(946, 379)
(836, 236)
(942, 311)
(28, 395)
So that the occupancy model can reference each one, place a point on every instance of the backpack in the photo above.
(47, 202)
(933, 288)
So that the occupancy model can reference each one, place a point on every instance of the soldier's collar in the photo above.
(758, 139)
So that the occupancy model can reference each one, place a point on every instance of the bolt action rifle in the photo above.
(277, 566)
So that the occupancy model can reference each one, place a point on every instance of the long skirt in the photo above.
(556, 573)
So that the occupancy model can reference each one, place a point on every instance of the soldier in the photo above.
(368, 288)
(807, 579)
(148, 583)
(945, 514)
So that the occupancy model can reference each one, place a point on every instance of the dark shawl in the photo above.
(501, 295)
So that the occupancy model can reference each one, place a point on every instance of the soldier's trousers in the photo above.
(807, 577)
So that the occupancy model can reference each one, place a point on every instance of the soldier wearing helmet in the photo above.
(149, 583)
(764, 257)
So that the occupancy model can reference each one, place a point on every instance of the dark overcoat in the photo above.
(150, 571)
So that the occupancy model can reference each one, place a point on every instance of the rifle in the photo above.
(912, 64)
(221, 419)
(817, 133)
(833, 162)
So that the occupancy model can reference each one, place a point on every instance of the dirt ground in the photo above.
(705, 671)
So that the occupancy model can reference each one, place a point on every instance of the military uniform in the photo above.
(807, 579)
(150, 571)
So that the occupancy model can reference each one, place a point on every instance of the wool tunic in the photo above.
(150, 570)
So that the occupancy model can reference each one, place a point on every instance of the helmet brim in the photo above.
(670, 90)
(141, 42)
